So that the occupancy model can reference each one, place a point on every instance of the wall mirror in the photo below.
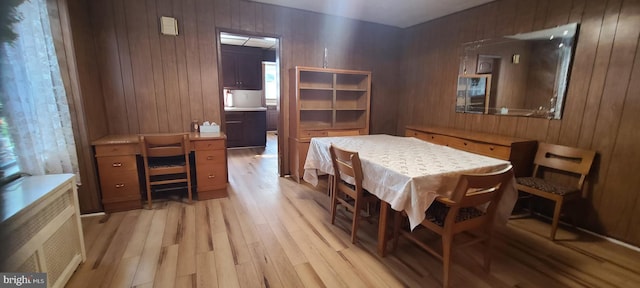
(526, 74)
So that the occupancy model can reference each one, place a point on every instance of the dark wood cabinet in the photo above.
(234, 122)
(272, 118)
(241, 67)
(246, 128)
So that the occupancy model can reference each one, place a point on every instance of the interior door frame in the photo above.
(280, 130)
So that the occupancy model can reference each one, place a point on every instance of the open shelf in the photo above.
(316, 80)
(352, 82)
(329, 99)
(351, 100)
(325, 102)
(316, 99)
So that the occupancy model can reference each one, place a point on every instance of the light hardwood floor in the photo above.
(274, 232)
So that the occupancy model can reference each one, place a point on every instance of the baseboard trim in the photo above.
(92, 214)
(606, 238)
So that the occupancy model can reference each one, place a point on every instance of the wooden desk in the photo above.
(121, 177)
(406, 173)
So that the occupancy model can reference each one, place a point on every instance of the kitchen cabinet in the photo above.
(241, 67)
(272, 118)
(246, 128)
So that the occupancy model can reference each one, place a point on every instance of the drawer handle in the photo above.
(491, 148)
(209, 157)
(211, 176)
(117, 164)
(465, 143)
(119, 185)
(432, 137)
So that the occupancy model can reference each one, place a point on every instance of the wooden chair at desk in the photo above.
(166, 161)
(450, 216)
(347, 163)
(557, 158)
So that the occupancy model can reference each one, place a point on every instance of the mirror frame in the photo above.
(496, 59)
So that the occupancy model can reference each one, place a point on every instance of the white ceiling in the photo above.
(399, 13)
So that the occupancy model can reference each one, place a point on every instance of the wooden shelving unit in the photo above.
(326, 100)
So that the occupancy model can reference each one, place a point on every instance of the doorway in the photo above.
(250, 90)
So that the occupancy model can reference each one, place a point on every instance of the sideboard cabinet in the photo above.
(518, 151)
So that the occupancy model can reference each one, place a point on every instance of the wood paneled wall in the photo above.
(602, 107)
(156, 83)
(150, 83)
(72, 68)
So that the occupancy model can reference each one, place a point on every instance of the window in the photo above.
(270, 82)
(36, 136)
(9, 167)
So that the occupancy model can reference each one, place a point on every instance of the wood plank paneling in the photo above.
(77, 62)
(619, 206)
(601, 94)
(156, 83)
(152, 83)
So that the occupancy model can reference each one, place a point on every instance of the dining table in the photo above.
(406, 174)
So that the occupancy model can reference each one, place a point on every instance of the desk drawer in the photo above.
(430, 137)
(209, 145)
(313, 133)
(416, 134)
(462, 144)
(212, 176)
(206, 157)
(116, 150)
(118, 188)
(492, 150)
(117, 165)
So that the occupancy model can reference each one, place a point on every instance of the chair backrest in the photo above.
(164, 154)
(474, 190)
(564, 158)
(347, 163)
(165, 145)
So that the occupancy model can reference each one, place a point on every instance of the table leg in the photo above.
(382, 228)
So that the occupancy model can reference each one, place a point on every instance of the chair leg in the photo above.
(356, 220)
(330, 185)
(446, 258)
(487, 252)
(531, 199)
(149, 196)
(556, 219)
(334, 206)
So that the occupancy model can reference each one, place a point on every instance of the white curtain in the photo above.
(33, 96)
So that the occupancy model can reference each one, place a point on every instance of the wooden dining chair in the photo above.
(460, 213)
(353, 197)
(551, 160)
(166, 162)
